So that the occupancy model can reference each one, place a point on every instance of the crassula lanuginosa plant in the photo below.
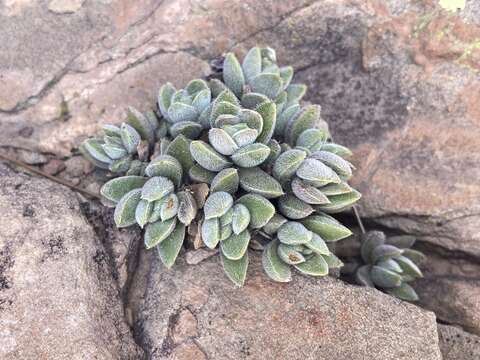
(272, 170)
(389, 264)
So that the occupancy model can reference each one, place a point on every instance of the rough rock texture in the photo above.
(58, 299)
(398, 81)
(451, 288)
(456, 344)
(196, 310)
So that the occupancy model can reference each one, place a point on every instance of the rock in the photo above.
(451, 288)
(308, 318)
(194, 257)
(54, 166)
(456, 344)
(65, 6)
(58, 299)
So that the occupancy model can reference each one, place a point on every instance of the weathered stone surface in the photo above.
(456, 344)
(308, 318)
(451, 288)
(58, 299)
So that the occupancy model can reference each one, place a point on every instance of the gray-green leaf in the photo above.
(211, 232)
(314, 266)
(124, 214)
(251, 155)
(240, 218)
(156, 188)
(226, 180)
(261, 210)
(158, 231)
(207, 157)
(274, 267)
(294, 233)
(255, 180)
(116, 188)
(236, 245)
(169, 248)
(236, 270)
(217, 204)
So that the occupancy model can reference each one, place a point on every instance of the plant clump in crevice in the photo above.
(275, 177)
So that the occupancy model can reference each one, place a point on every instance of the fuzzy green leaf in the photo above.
(340, 203)
(318, 245)
(207, 156)
(305, 120)
(286, 73)
(294, 233)
(141, 123)
(284, 118)
(188, 129)
(216, 87)
(253, 100)
(332, 261)
(111, 130)
(314, 266)
(336, 189)
(169, 248)
(166, 166)
(226, 180)
(370, 241)
(233, 74)
(130, 138)
(179, 112)
(120, 165)
(222, 141)
(143, 212)
(294, 208)
(288, 163)
(251, 155)
(404, 292)
(201, 175)
(362, 276)
(195, 86)
(385, 278)
(240, 218)
(414, 255)
(114, 152)
(328, 228)
(158, 231)
(236, 270)
(261, 210)
(294, 93)
(274, 267)
(217, 204)
(252, 63)
(124, 214)
(342, 167)
(187, 207)
(308, 193)
(269, 116)
(257, 181)
(252, 118)
(116, 188)
(165, 95)
(289, 254)
(267, 84)
(390, 264)
(156, 188)
(236, 245)
(312, 139)
(226, 119)
(179, 148)
(245, 137)
(408, 266)
(316, 173)
(339, 150)
(169, 207)
(227, 218)
(384, 252)
(211, 232)
(274, 224)
(402, 241)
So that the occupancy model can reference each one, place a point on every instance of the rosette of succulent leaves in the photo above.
(272, 170)
(390, 264)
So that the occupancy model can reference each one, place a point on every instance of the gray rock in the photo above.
(196, 310)
(456, 344)
(58, 298)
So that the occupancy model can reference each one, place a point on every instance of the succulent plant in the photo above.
(273, 173)
(390, 264)
(124, 148)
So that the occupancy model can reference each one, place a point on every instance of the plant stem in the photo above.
(48, 176)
